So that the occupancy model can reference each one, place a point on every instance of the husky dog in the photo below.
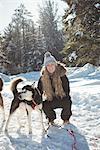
(1, 103)
(30, 97)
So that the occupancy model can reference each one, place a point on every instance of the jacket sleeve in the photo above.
(39, 86)
(65, 84)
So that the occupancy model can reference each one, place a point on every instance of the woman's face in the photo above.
(51, 68)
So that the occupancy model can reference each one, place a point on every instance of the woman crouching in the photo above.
(54, 84)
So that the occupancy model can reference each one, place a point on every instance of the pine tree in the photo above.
(41, 48)
(3, 59)
(82, 31)
(20, 41)
(48, 22)
(22, 23)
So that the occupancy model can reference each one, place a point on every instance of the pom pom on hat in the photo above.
(49, 59)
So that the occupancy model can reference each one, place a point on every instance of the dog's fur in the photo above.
(30, 97)
(1, 102)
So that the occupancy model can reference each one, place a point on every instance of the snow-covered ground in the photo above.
(85, 121)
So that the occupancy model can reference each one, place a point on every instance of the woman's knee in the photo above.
(66, 103)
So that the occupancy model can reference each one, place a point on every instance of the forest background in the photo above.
(74, 40)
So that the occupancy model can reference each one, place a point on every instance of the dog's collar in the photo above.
(31, 103)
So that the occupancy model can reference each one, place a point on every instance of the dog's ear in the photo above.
(33, 84)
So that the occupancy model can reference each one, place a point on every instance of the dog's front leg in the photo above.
(41, 116)
(6, 126)
(29, 111)
(3, 121)
(22, 110)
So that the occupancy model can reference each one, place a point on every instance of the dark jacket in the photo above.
(65, 85)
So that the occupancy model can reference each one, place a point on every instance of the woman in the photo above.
(54, 85)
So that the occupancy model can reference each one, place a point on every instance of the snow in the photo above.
(83, 72)
(72, 56)
(97, 5)
(4, 77)
(71, 16)
(85, 121)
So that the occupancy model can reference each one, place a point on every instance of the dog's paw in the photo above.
(44, 132)
(6, 132)
(30, 132)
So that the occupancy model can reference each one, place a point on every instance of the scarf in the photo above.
(56, 82)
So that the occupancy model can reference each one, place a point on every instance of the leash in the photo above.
(71, 132)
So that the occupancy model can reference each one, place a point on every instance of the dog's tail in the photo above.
(1, 84)
(14, 84)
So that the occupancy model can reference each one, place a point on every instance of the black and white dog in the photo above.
(1, 103)
(30, 97)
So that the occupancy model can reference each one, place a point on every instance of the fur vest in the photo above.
(56, 82)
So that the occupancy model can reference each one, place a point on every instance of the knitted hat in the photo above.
(49, 59)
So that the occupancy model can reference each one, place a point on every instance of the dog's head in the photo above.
(31, 93)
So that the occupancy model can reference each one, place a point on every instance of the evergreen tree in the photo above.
(3, 60)
(48, 22)
(41, 48)
(82, 32)
(20, 41)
